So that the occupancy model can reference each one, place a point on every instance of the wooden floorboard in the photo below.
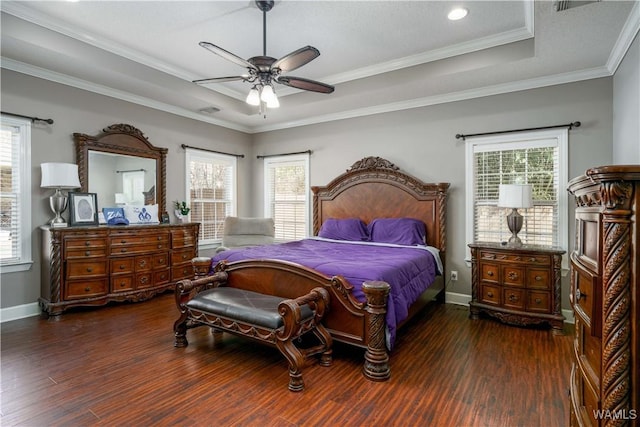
(116, 366)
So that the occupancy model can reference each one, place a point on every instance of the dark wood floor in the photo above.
(117, 366)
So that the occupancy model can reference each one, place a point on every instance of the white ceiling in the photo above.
(380, 55)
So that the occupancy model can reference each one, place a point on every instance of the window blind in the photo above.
(15, 211)
(535, 163)
(286, 199)
(212, 192)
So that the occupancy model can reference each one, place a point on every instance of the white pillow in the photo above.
(147, 214)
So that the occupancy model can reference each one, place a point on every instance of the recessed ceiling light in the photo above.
(457, 13)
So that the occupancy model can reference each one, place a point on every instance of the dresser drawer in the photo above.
(83, 269)
(126, 239)
(182, 256)
(122, 283)
(538, 279)
(122, 265)
(144, 280)
(161, 277)
(75, 289)
(539, 301)
(136, 249)
(184, 271)
(183, 238)
(512, 275)
(513, 298)
(160, 260)
(93, 251)
(91, 241)
(585, 296)
(144, 263)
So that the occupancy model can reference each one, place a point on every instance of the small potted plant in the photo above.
(182, 210)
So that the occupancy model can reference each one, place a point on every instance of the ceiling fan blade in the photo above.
(228, 55)
(221, 79)
(305, 84)
(296, 59)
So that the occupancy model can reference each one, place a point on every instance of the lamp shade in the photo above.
(59, 175)
(515, 196)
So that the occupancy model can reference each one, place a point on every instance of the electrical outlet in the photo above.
(454, 276)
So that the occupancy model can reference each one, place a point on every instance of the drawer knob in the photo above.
(489, 273)
(159, 238)
(87, 289)
(513, 298)
(87, 253)
(122, 266)
(532, 259)
(159, 246)
(185, 256)
(123, 284)
(123, 250)
(144, 280)
(123, 241)
(89, 269)
(142, 263)
(490, 294)
(513, 275)
(580, 294)
(538, 278)
(538, 300)
(87, 243)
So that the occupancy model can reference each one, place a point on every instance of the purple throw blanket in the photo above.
(409, 270)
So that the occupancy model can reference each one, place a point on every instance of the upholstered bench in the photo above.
(266, 318)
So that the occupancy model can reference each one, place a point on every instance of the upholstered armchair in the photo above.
(240, 232)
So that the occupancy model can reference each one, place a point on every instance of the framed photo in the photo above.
(165, 218)
(83, 209)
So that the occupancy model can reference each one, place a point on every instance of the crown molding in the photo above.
(64, 79)
(627, 35)
(499, 89)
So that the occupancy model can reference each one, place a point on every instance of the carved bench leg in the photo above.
(180, 333)
(327, 342)
(376, 359)
(217, 337)
(296, 360)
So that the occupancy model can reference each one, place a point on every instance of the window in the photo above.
(286, 195)
(15, 195)
(211, 192)
(537, 158)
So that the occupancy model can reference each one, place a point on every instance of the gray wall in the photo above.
(626, 108)
(422, 142)
(75, 110)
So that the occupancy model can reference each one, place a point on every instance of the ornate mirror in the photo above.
(121, 166)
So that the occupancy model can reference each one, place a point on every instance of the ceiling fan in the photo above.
(264, 70)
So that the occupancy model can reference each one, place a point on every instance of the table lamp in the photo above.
(515, 196)
(61, 176)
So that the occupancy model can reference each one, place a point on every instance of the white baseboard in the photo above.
(458, 299)
(19, 312)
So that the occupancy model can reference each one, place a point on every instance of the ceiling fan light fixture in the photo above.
(268, 95)
(253, 98)
(274, 103)
(457, 13)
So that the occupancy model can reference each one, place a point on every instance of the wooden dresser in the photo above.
(90, 266)
(605, 376)
(518, 285)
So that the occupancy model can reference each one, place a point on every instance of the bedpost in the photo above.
(376, 359)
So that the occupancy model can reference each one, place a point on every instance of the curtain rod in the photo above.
(284, 154)
(33, 119)
(568, 125)
(213, 151)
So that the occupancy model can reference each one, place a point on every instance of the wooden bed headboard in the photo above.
(376, 188)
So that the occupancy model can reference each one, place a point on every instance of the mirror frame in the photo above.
(122, 139)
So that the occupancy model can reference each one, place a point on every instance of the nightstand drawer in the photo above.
(489, 272)
(513, 298)
(538, 279)
(490, 294)
(538, 301)
(513, 276)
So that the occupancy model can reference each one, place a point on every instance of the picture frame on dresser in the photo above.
(83, 209)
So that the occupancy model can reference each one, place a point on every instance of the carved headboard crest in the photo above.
(373, 163)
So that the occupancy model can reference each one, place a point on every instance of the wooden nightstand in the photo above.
(518, 285)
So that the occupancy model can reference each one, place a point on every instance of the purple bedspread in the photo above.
(409, 270)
